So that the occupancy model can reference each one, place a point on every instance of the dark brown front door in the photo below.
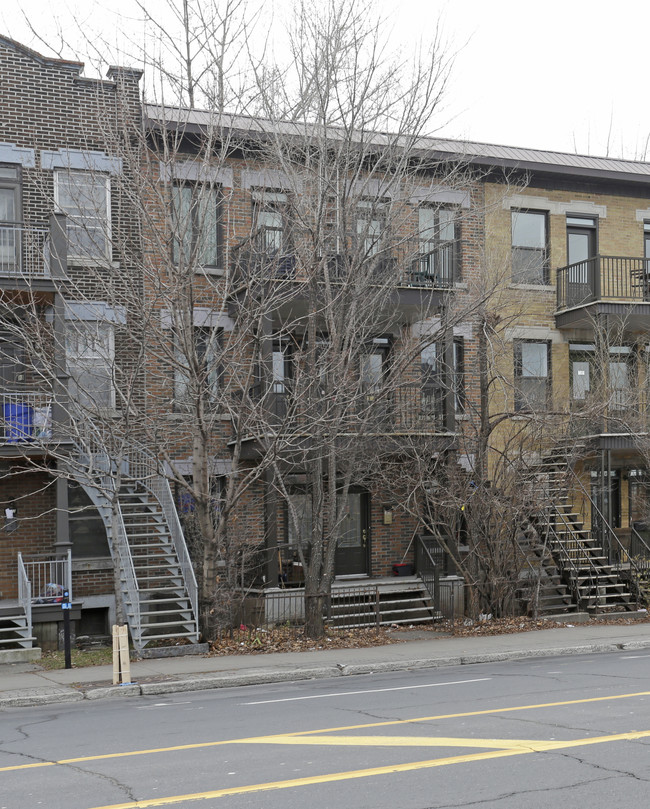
(353, 541)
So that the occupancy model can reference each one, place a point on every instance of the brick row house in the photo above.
(249, 355)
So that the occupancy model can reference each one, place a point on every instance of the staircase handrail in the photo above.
(568, 561)
(128, 569)
(25, 593)
(106, 489)
(612, 534)
(532, 569)
(429, 572)
(645, 564)
(148, 473)
(160, 488)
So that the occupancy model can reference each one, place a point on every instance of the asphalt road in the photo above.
(518, 735)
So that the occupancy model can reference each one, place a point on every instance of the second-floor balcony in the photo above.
(24, 253)
(404, 409)
(617, 285)
(405, 281)
(426, 265)
(25, 419)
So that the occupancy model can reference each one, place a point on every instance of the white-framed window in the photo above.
(90, 357)
(85, 198)
(530, 247)
(196, 208)
(532, 375)
(196, 366)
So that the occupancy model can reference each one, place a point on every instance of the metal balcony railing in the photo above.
(409, 407)
(24, 251)
(49, 578)
(408, 264)
(619, 411)
(25, 417)
(613, 278)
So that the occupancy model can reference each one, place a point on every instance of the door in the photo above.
(581, 250)
(9, 232)
(12, 364)
(375, 405)
(353, 546)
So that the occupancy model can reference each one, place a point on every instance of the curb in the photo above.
(206, 682)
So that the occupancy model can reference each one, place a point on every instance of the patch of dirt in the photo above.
(259, 641)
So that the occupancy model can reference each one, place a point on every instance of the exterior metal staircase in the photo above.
(403, 600)
(593, 582)
(15, 629)
(542, 590)
(159, 590)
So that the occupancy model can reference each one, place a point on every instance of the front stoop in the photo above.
(20, 655)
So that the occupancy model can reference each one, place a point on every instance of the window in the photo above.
(370, 227)
(85, 199)
(622, 371)
(196, 366)
(581, 358)
(529, 247)
(646, 240)
(196, 225)
(87, 530)
(532, 377)
(431, 360)
(437, 246)
(90, 355)
(9, 219)
(639, 495)
(459, 374)
(373, 365)
(299, 519)
(270, 210)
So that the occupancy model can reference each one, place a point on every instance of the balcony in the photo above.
(411, 279)
(24, 253)
(615, 285)
(25, 419)
(613, 419)
(407, 410)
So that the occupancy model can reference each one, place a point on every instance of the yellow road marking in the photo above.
(393, 741)
(540, 746)
(387, 723)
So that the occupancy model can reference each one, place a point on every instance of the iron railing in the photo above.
(25, 593)
(161, 490)
(49, 578)
(616, 278)
(428, 569)
(143, 467)
(639, 549)
(617, 554)
(428, 265)
(406, 407)
(24, 251)
(25, 417)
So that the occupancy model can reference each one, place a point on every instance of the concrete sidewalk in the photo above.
(25, 684)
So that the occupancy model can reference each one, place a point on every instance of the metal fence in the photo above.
(23, 251)
(49, 578)
(603, 277)
(25, 417)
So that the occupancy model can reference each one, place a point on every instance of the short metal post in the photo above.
(377, 610)
(66, 607)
